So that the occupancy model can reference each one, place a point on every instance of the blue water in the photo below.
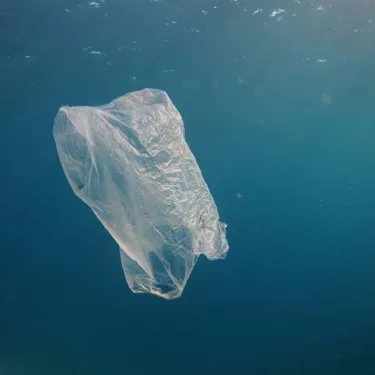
(279, 111)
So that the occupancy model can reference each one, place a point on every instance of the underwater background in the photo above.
(278, 100)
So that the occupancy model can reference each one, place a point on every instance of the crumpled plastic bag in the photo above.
(129, 162)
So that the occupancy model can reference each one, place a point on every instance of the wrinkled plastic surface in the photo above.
(129, 161)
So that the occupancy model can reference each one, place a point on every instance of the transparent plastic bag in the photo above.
(129, 161)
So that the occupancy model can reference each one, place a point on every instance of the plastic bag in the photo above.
(129, 161)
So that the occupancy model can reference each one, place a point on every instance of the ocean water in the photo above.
(278, 103)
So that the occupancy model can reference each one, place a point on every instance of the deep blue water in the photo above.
(278, 108)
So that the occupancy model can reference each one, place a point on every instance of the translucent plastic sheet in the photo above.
(129, 161)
